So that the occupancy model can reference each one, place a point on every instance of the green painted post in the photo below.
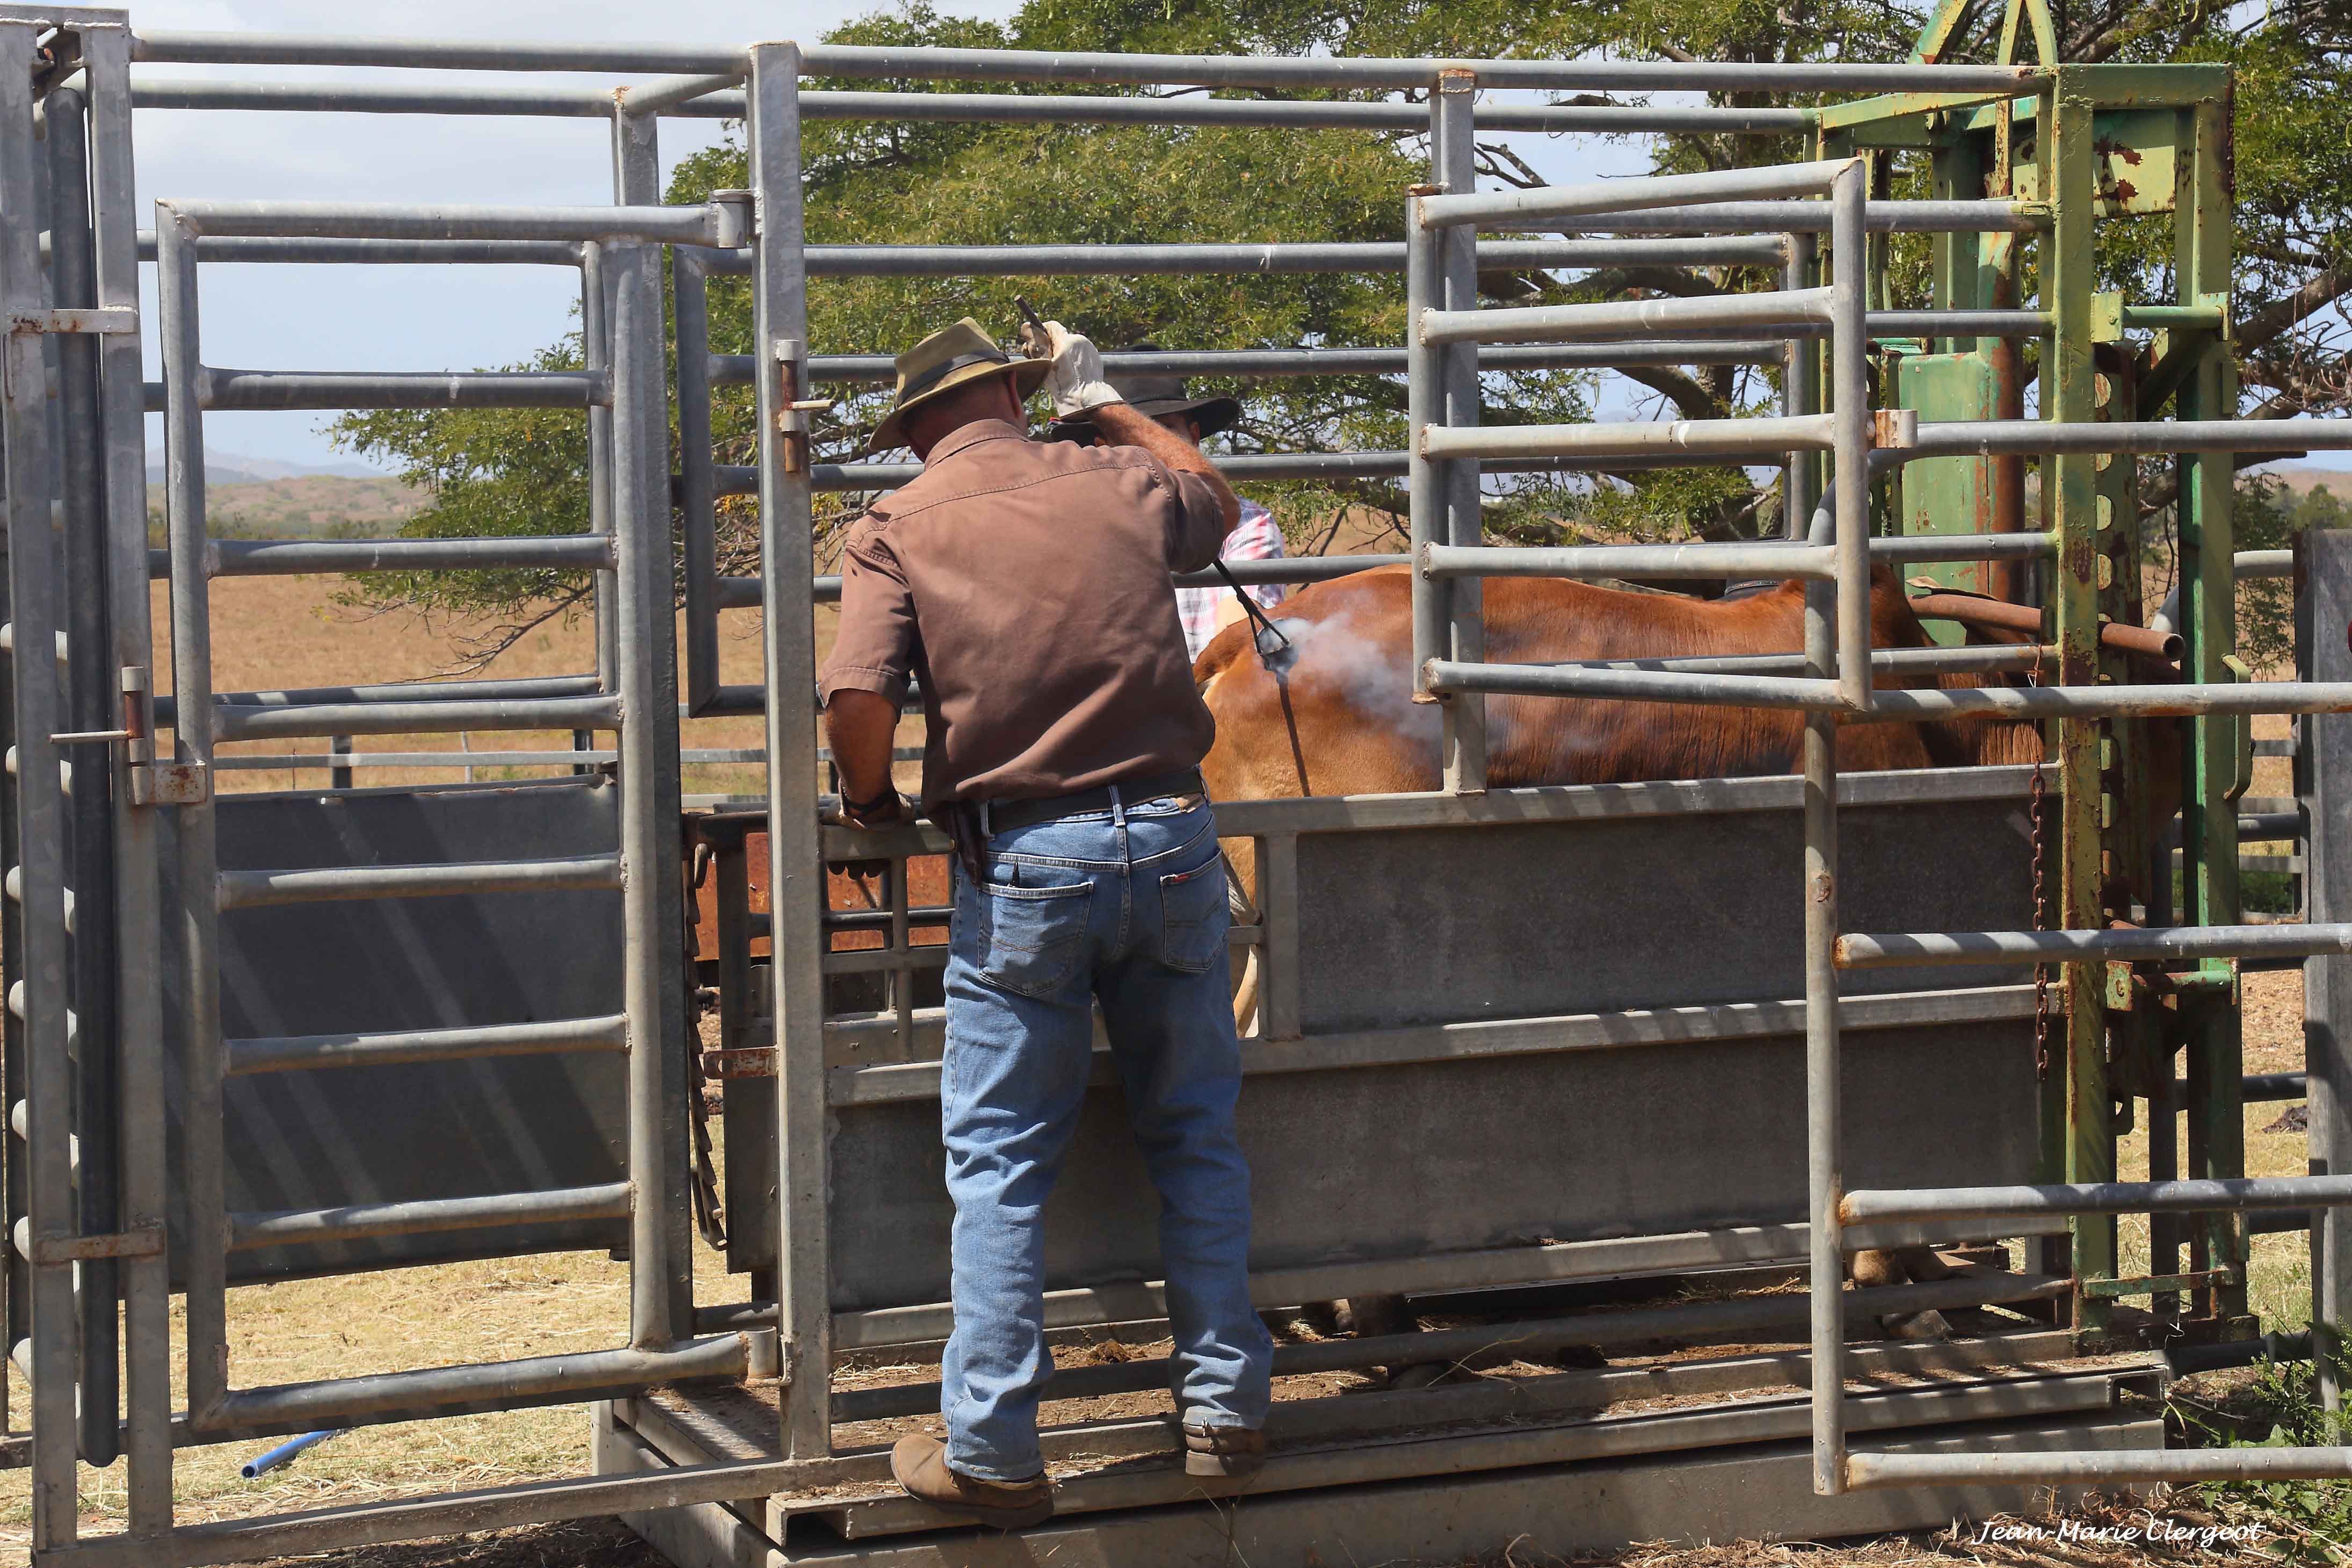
(2071, 488)
(2209, 628)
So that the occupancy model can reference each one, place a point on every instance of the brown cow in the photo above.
(1333, 714)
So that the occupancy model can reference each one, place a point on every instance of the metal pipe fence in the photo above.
(1767, 218)
(1837, 685)
(632, 555)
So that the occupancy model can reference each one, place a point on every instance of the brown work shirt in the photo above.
(1024, 585)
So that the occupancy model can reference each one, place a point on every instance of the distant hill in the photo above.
(307, 506)
(2302, 477)
(241, 468)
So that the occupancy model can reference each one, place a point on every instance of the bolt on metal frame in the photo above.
(622, 393)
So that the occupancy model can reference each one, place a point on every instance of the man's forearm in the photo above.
(1121, 425)
(861, 727)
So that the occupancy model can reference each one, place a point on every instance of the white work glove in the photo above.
(1076, 379)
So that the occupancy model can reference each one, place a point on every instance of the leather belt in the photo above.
(1003, 815)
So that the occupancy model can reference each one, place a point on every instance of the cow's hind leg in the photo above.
(1872, 1267)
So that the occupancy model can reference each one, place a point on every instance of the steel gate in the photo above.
(1833, 683)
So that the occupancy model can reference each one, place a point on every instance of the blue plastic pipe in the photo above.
(285, 1453)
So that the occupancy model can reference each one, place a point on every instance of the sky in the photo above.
(459, 317)
(406, 317)
(446, 318)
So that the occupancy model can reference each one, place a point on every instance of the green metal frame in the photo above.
(2096, 142)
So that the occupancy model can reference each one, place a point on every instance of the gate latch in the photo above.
(153, 783)
(792, 410)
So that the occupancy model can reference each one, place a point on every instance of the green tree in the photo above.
(494, 471)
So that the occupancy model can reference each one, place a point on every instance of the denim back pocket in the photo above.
(1195, 916)
(1031, 940)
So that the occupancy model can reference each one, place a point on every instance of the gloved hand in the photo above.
(1076, 379)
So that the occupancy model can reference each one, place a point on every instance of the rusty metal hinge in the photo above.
(116, 319)
(792, 410)
(743, 1061)
(171, 783)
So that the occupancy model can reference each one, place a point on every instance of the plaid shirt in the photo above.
(1254, 538)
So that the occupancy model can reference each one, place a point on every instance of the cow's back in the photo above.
(1334, 714)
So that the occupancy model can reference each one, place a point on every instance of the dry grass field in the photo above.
(272, 632)
(279, 632)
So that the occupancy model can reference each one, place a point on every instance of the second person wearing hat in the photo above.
(1164, 400)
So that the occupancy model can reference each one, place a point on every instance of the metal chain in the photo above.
(2041, 898)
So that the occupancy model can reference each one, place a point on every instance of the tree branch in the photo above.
(2281, 316)
(1687, 393)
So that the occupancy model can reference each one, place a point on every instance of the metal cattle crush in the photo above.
(252, 1037)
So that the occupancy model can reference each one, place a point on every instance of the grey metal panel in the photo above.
(507, 1125)
(1368, 1163)
(1403, 926)
(1599, 916)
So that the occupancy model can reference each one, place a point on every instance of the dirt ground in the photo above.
(275, 632)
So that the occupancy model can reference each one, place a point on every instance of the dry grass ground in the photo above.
(276, 632)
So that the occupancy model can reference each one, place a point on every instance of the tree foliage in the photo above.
(947, 184)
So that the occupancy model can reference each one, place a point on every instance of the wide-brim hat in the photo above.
(1151, 396)
(952, 357)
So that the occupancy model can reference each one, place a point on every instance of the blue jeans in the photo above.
(1126, 908)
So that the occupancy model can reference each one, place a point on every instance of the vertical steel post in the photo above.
(206, 1267)
(1850, 389)
(1955, 172)
(641, 359)
(1424, 476)
(146, 1289)
(749, 1102)
(15, 1270)
(32, 599)
(596, 355)
(2208, 630)
(1800, 393)
(1826, 654)
(2327, 982)
(699, 535)
(2070, 395)
(90, 704)
(660, 1288)
(1453, 162)
(795, 869)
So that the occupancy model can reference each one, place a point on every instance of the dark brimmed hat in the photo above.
(1151, 396)
(950, 357)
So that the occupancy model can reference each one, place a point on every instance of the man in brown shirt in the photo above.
(1024, 585)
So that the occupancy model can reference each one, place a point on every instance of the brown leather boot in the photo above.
(1233, 1452)
(920, 1465)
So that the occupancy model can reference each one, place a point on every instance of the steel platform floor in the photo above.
(1712, 1448)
